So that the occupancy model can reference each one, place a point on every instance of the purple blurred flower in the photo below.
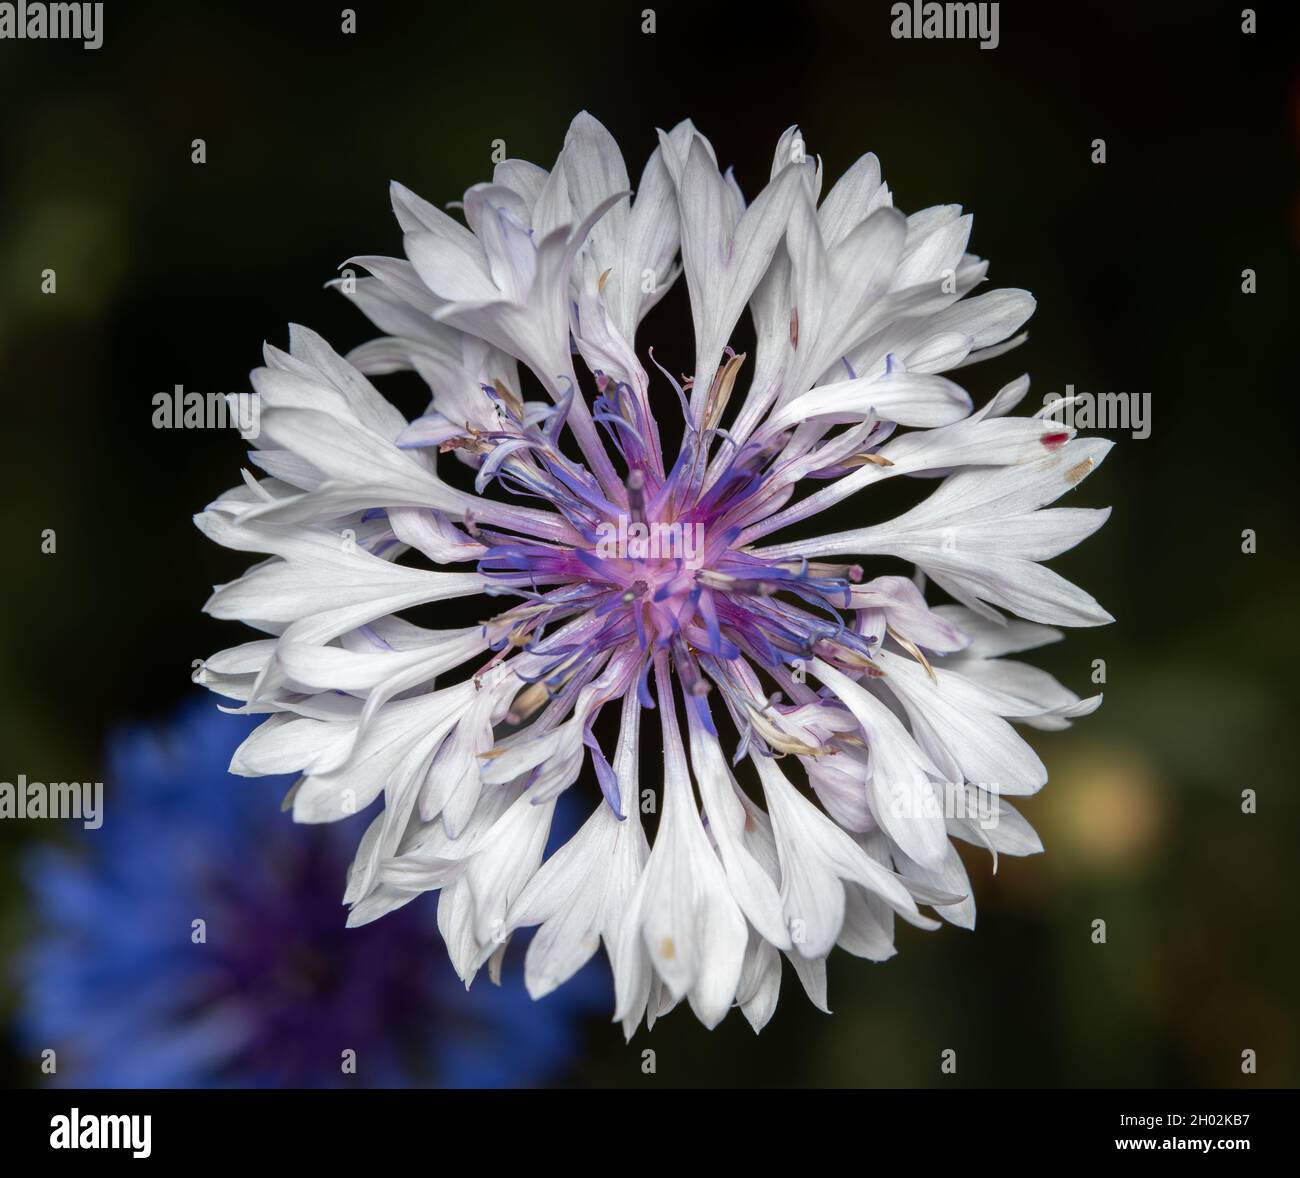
(279, 988)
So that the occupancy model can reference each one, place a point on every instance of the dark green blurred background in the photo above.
(174, 273)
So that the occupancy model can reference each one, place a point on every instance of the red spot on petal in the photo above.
(1055, 441)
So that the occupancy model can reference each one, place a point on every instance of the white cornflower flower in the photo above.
(876, 727)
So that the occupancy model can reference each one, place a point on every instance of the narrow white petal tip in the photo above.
(539, 988)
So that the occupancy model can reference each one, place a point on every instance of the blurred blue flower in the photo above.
(281, 988)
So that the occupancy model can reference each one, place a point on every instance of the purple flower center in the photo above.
(654, 562)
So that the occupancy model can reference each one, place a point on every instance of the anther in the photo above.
(636, 496)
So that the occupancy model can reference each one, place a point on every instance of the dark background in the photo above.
(174, 273)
